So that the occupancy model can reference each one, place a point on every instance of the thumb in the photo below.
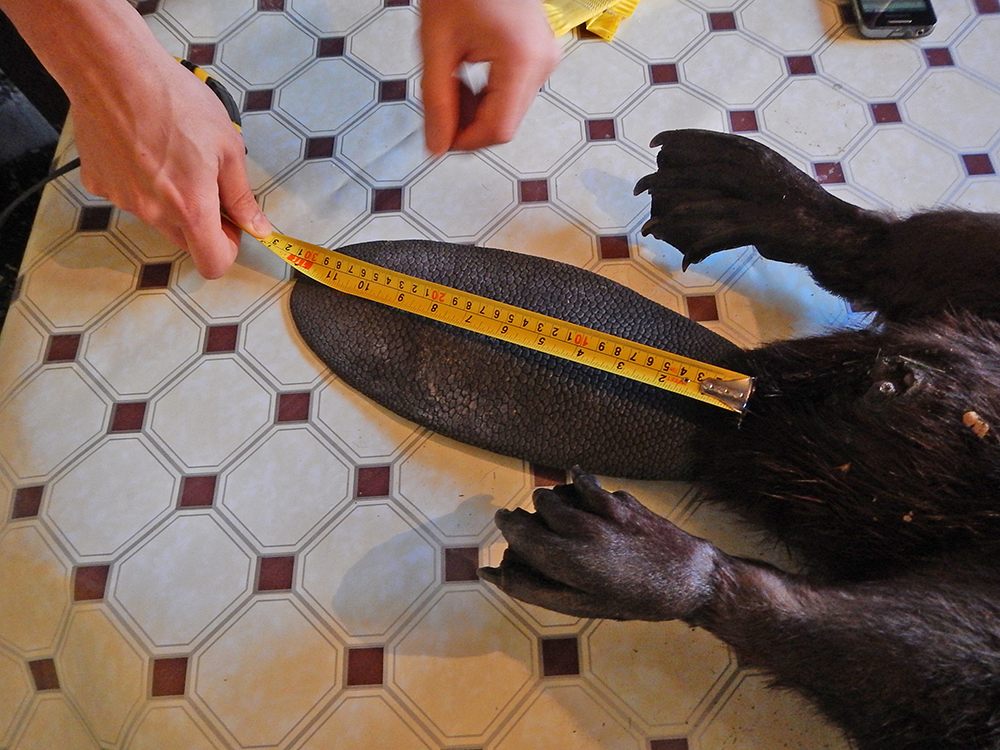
(238, 201)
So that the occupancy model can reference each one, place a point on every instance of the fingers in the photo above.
(536, 545)
(595, 499)
(517, 42)
(237, 199)
(559, 515)
(524, 531)
(521, 582)
(211, 225)
(212, 250)
(707, 182)
(691, 143)
(440, 90)
(233, 232)
(503, 105)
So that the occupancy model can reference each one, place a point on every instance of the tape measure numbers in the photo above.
(516, 325)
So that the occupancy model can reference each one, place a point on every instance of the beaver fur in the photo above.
(872, 454)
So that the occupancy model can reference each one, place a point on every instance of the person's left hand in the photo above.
(513, 36)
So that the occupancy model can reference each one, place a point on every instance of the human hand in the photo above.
(152, 138)
(164, 149)
(513, 36)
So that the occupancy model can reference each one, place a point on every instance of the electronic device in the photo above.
(894, 19)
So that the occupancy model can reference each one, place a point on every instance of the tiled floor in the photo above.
(207, 541)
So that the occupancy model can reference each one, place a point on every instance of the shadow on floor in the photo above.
(26, 149)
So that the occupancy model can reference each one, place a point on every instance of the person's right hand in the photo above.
(163, 148)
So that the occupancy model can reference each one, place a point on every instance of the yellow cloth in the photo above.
(602, 17)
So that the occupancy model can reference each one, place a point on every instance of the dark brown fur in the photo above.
(873, 455)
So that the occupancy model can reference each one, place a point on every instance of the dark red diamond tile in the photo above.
(154, 275)
(613, 247)
(988, 6)
(320, 148)
(331, 46)
(702, 307)
(201, 54)
(27, 501)
(546, 476)
(146, 7)
(846, 14)
(976, 164)
(387, 200)
(63, 347)
(221, 338)
(258, 101)
(293, 407)
(169, 676)
(886, 112)
(938, 57)
(600, 130)
(461, 563)
(800, 65)
(89, 582)
(396, 3)
(743, 121)
(270, 5)
(829, 172)
(43, 672)
(722, 21)
(663, 73)
(94, 218)
(392, 91)
(197, 491)
(365, 666)
(533, 191)
(128, 416)
(373, 481)
(560, 656)
(678, 743)
(275, 573)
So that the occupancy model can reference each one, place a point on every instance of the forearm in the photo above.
(937, 262)
(152, 139)
(81, 42)
(884, 659)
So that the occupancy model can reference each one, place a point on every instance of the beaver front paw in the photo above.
(714, 191)
(592, 553)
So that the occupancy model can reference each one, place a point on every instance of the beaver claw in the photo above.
(713, 191)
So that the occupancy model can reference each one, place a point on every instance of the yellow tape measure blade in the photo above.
(516, 325)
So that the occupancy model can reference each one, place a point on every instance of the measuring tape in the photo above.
(515, 325)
